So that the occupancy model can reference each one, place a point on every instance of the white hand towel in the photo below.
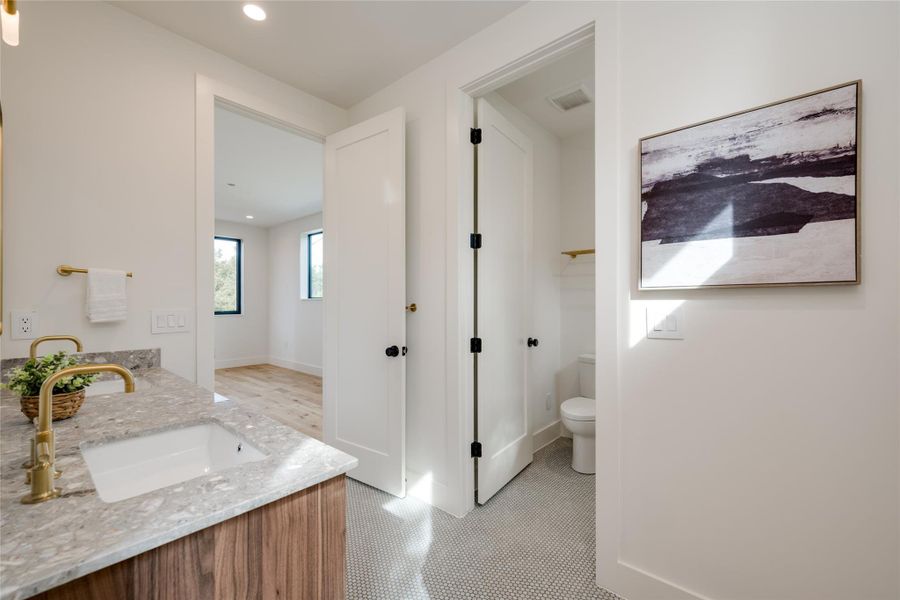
(106, 298)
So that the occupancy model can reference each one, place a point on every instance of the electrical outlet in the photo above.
(24, 325)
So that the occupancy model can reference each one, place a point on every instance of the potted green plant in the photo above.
(68, 393)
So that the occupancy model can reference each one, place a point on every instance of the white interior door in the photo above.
(504, 191)
(364, 380)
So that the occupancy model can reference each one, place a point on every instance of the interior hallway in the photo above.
(290, 397)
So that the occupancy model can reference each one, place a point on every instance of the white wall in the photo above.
(244, 339)
(778, 413)
(576, 276)
(277, 326)
(544, 360)
(295, 324)
(757, 458)
(99, 167)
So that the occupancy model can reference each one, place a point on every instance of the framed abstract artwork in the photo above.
(764, 197)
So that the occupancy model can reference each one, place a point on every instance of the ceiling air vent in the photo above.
(571, 97)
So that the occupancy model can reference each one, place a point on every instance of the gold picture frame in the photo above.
(642, 208)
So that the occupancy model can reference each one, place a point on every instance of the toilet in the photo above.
(578, 415)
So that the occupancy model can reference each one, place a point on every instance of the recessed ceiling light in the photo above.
(255, 12)
(249, 216)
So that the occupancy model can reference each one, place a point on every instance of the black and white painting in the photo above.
(763, 197)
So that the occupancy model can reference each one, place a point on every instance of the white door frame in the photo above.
(460, 200)
(613, 570)
(209, 92)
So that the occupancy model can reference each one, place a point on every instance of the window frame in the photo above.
(308, 264)
(239, 276)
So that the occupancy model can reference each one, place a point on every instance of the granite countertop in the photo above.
(48, 544)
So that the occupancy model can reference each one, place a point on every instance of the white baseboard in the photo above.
(228, 363)
(546, 435)
(296, 366)
(248, 361)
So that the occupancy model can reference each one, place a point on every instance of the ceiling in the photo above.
(529, 94)
(339, 51)
(277, 174)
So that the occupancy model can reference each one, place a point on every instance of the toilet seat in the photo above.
(579, 409)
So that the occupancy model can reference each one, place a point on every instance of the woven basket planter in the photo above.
(64, 405)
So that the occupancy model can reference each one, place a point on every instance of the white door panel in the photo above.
(364, 403)
(504, 300)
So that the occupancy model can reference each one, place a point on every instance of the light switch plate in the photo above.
(176, 320)
(665, 322)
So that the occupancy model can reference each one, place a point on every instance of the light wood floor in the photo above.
(292, 398)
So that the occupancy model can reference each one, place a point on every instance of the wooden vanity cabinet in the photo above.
(290, 549)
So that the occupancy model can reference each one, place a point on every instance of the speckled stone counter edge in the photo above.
(130, 359)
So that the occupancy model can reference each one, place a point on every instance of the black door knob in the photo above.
(392, 351)
(532, 342)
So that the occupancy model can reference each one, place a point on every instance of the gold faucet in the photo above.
(43, 471)
(32, 353)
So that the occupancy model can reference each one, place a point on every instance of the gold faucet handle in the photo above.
(43, 453)
(30, 462)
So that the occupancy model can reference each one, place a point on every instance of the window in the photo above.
(315, 283)
(227, 276)
(312, 283)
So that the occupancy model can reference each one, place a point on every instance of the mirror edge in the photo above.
(1, 218)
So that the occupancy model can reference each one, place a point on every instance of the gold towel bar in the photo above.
(66, 270)
(574, 253)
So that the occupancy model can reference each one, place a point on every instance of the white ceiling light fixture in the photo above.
(9, 22)
(250, 216)
(255, 12)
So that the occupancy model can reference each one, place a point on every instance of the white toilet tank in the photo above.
(586, 376)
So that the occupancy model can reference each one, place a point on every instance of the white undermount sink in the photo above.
(130, 467)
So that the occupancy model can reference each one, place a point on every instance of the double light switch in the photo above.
(665, 322)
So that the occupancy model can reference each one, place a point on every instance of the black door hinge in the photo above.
(475, 345)
(475, 135)
(476, 449)
(474, 240)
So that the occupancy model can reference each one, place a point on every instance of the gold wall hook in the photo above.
(412, 307)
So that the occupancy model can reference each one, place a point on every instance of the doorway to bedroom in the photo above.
(269, 268)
